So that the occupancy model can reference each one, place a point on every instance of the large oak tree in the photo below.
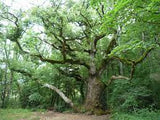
(72, 33)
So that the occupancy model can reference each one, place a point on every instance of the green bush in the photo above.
(143, 114)
(127, 96)
(35, 99)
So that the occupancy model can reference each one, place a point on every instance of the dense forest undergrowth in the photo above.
(91, 57)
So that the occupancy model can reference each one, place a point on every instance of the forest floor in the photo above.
(67, 116)
(41, 114)
(25, 114)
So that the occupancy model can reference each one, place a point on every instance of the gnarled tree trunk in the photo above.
(95, 88)
(94, 91)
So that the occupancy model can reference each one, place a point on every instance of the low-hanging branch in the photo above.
(132, 63)
(117, 77)
(58, 91)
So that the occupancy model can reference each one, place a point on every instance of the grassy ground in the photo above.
(16, 114)
(24, 114)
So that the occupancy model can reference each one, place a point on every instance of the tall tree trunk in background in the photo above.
(10, 84)
(120, 68)
(3, 94)
(4, 89)
(81, 89)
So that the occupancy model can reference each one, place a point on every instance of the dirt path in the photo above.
(69, 116)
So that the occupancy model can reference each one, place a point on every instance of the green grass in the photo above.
(138, 115)
(17, 114)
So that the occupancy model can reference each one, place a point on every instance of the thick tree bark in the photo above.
(94, 91)
(95, 88)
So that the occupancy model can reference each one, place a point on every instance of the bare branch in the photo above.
(44, 40)
(87, 21)
(145, 54)
(61, 94)
(99, 13)
(102, 8)
(115, 78)
(16, 18)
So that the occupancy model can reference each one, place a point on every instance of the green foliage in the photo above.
(13, 34)
(131, 50)
(143, 114)
(30, 97)
(35, 98)
(127, 96)
(140, 92)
